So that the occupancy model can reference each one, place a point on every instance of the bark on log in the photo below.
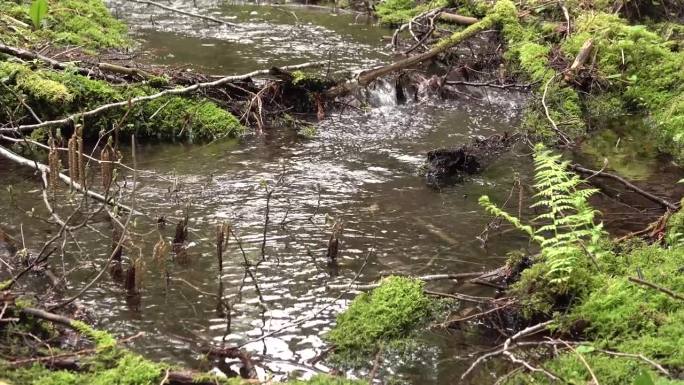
(458, 19)
(580, 60)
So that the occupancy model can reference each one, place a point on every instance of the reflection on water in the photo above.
(266, 36)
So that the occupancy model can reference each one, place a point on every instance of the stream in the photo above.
(361, 170)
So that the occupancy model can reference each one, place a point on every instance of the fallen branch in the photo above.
(367, 77)
(656, 287)
(7, 154)
(139, 99)
(666, 204)
(458, 19)
(488, 84)
(561, 134)
(460, 296)
(425, 278)
(582, 57)
(186, 13)
(507, 345)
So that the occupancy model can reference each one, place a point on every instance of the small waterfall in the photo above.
(382, 93)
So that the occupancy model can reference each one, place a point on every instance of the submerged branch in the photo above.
(663, 202)
(186, 13)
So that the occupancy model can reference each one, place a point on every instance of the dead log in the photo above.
(580, 60)
(457, 19)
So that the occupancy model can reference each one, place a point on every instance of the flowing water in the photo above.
(361, 170)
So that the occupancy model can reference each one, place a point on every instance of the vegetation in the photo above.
(85, 23)
(579, 278)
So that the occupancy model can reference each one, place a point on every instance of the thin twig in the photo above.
(659, 288)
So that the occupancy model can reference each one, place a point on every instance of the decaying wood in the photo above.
(458, 19)
(580, 60)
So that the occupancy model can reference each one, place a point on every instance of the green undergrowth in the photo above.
(616, 315)
(397, 12)
(53, 95)
(84, 23)
(581, 280)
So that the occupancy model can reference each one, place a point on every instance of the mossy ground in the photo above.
(86, 23)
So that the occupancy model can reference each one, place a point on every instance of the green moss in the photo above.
(675, 229)
(388, 312)
(607, 369)
(397, 12)
(86, 23)
(101, 338)
(641, 67)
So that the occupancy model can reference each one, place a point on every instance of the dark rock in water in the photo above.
(446, 165)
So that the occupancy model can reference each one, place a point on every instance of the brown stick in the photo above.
(659, 288)
(582, 57)
(123, 70)
(663, 202)
(458, 19)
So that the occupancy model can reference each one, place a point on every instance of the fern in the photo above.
(565, 230)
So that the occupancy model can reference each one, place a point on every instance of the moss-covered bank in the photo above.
(636, 66)
(55, 94)
(85, 23)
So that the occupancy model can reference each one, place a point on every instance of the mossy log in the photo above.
(503, 10)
